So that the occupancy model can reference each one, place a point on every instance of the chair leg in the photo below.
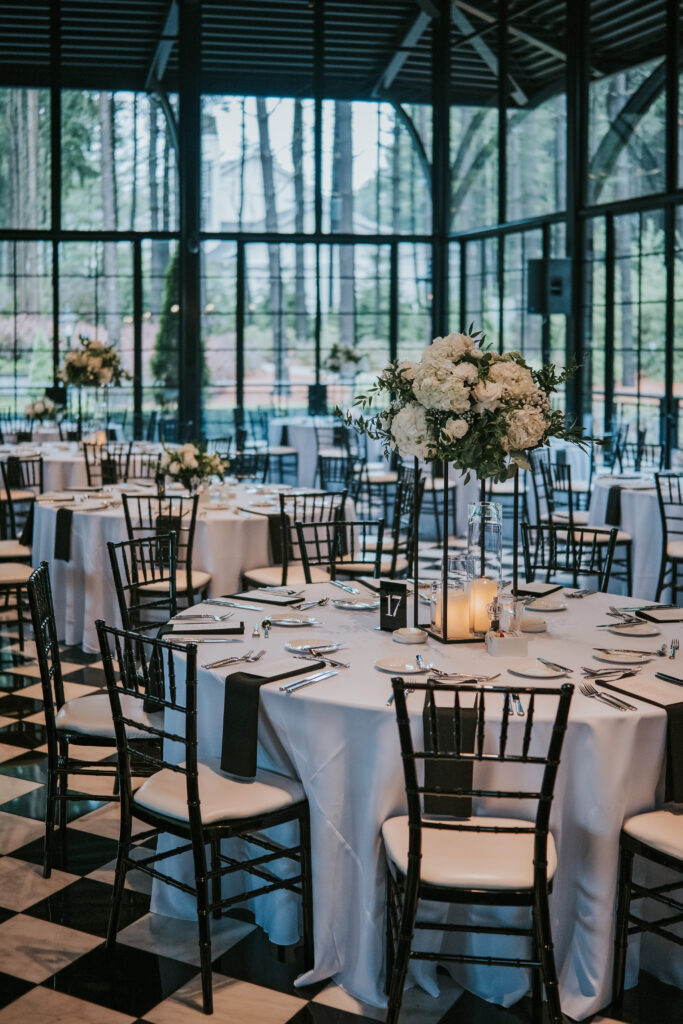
(621, 933)
(402, 954)
(660, 581)
(204, 927)
(536, 993)
(119, 882)
(629, 571)
(20, 620)
(51, 800)
(216, 878)
(307, 889)
(547, 954)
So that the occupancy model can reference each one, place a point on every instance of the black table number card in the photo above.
(393, 605)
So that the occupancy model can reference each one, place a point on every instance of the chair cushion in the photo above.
(14, 550)
(580, 517)
(18, 494)
(91, 716)
(470, 860)
(662, 830)
(200, 580)
(221, 797)
(272, 574)
(382, 477)
(14, 573)
(674, 549)
(281, 449)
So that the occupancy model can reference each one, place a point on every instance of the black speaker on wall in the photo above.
(549, 286)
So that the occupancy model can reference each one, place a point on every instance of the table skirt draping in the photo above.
(639, 518)
(341, 740)
(225, 544)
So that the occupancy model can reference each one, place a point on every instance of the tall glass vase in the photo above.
(485, 538)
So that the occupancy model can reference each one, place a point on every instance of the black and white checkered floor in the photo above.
(54, 967)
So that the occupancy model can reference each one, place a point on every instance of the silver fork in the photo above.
(229, 661)
(588, 690)
(673, 648)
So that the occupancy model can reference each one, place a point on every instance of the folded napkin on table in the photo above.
(194, 628)
(613, 509)
(63, 534)
(448, 774)
(240, 713)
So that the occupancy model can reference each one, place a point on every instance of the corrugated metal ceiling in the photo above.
(372, 47)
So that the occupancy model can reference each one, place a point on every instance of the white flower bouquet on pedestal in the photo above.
(94, 364)
(466, 405)
(41, 409)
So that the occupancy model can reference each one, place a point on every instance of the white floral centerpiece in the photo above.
(41, 409)
(344, 359)
(190, 464)
(93, 364)
(462, 403)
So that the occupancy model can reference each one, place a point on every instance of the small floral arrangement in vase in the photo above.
(462, 403)
(41, 409)
(94, 364)
(191, 465)
(343, 359)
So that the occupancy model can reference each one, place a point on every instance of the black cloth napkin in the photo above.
(613, 510)
(191, 629)
(284, 435)
(674, 740)
(448, 774)
(13, 471)
(275, 535)
(674, 752)
(26, 537)
(63, 534)
(240, 718)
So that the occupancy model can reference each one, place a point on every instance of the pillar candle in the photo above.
(457, 613)
(482, 592)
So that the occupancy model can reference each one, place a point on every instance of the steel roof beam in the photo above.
(164, 48)
(460, 19)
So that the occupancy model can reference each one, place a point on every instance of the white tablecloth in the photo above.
(341, 740)
(225, 544)
(640, 518)
(301, 435)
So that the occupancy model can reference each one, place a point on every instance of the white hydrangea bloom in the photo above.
(411, 432)
(437, 387)
(525, 428)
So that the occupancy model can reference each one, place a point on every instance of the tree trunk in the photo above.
(159, 254)
(343, 158)
(111, 318)
(275, 273)
(616, 98)
(134, 196)
(301, 315)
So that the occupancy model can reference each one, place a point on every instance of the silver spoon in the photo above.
(311, 604)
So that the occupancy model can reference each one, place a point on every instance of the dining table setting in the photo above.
(298, 681)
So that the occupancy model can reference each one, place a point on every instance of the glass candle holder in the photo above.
(511, 609)
(482, 592)
(457, 609)
(485, 538)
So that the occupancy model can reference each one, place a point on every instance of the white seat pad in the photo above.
(14, 573)
(272, 574)
(662, 830)
(221, 797)
(675, 549)
(200, 580)
(470, 860)
(13, 549)
(91, 715)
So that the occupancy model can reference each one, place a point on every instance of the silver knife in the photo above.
(307, 680)
(553, 664)
(345, 586)
(235, 604)
(197, 638)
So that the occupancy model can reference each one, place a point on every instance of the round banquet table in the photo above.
(226, 543)
(639, 518)
(340, 739)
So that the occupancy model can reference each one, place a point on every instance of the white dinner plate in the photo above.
(306, 642)
(622, 657)
(547, 604)
(635, 629)
(534, 669)
(398, 665)
(293, 620)
(356, 604)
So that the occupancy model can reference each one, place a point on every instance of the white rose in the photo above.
(516, 380)
(466, 371)
(190, 460)
(437, 387)
(525, 428)
(407, 369)
(454, 429)
(487, 395)
(106, 374)
(449, 349)
(411, 432)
